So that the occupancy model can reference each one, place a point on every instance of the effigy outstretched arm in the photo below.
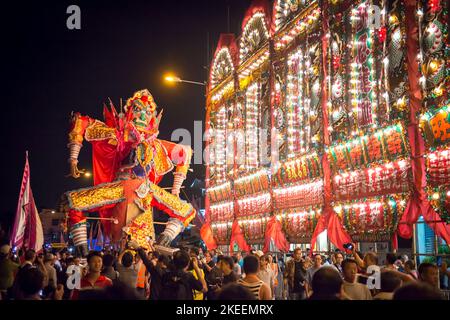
(76, 134)
(181, 156)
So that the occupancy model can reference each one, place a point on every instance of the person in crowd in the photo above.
(240, 257)
(157, 268)
(327, 284)
(8, 270)
(213, 276)
(274, 267)
(417, 291)
(444, 276)
(370, 259)
(317, 264)
(50, 281)
(29, 261)
(93, 279)
(257, 287)
(128, 270)
(208, 263)
(178, 284)
(236, 266)
(353, 289)
(31, 284)
(308, 262)
(389, 282)
(142, 282)
(265, 273)
(410, 269)
(108, 269)
(234, 291)
(429, 273)
(214, 256)
(198, 294)
(391, 259)
(226, 265)
(294, 277)
(337, 261)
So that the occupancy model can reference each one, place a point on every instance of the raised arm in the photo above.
(76, 134)
(181, 156)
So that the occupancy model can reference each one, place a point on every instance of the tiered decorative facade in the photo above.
(330, 114)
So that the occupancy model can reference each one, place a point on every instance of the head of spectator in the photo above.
(127, 259)
(429, 274)
(233, 291)
(77, 261)
(31, 282)
(326, 284)
(5, 251)
(338, 258)
(49, 259)
(163, 261)
(239, 255)
(389, 281)
(70, 261)
(390, 260)
(251, 265)
(263, 262)
(208, 256)
(269, 259)
(297, 255)
(95, 262)
(417, 291)
(194, 251)
(108, 261)
(317, 261)
(181, 260)
(349, 270)
(226, 264)
(409, 266)
(30, 256)
(370, 259)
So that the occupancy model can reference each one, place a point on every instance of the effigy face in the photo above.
(141, 108)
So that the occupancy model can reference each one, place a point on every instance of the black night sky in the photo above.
(123, 46)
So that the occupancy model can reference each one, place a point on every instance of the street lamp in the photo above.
(174, 79)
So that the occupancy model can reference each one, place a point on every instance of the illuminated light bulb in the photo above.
(448, 194)
(434, 65)
(435, 196)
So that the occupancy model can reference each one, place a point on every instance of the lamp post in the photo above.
(178, 79)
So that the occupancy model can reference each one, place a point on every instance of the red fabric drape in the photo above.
(238, 236)
(395, 241)
(418, 204)
(274, 232)
(207, 236)
(329, 220)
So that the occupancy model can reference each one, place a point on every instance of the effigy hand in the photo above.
(74, 171)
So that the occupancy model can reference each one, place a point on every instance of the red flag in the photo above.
(238, 236)
(27, 230)
(207, 236)
(274, 232)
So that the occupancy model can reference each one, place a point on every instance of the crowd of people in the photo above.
(195, 274)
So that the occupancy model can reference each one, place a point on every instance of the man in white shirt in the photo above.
(353, 289)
